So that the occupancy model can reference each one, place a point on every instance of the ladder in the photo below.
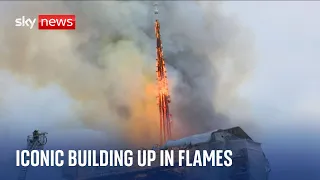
(37, 145)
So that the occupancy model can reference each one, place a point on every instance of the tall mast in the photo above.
(163, 91)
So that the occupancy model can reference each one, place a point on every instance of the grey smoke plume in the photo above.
(108, 64)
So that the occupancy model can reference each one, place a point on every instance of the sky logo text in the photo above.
(48, 22)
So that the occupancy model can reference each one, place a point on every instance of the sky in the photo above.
(286, 75)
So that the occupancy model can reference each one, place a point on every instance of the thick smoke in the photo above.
(108, 64)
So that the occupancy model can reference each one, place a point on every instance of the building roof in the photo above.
(238, 132)
(206, 137)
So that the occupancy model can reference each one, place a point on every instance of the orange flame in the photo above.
(163, 92)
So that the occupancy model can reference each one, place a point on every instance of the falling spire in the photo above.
(163, 91)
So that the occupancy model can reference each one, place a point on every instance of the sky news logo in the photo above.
(48, 22)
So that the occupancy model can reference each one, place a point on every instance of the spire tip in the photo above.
(156, 11)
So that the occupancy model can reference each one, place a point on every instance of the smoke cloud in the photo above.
(107, 66)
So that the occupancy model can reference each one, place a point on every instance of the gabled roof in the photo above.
(238, 132)
(205, 137)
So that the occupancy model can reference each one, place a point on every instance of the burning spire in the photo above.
(163, 91)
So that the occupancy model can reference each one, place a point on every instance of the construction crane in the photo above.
(36, 141)
(163, 91)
